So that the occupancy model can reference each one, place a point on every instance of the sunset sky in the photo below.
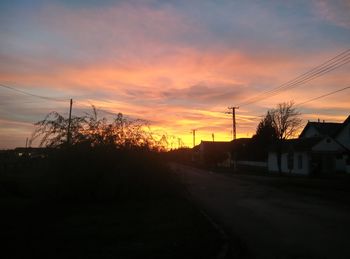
(176, 64)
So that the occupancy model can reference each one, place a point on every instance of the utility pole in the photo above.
(233, 112)
(212, 135)
(69, 122)
(194, 137)
(179, 143)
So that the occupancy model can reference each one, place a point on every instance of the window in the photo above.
(300, 162)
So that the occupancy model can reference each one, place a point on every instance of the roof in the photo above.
(299, 144)
(304, 144)
(346, 122)
(323, 128)
(241, 142)
(216, 144)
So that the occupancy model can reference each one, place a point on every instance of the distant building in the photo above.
(31, 152)
(234, 153)
(216, 153)
(322, 148)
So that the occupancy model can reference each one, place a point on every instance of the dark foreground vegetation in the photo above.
(99, 203)
(107, 193)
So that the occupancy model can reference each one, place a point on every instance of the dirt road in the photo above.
(263, 221)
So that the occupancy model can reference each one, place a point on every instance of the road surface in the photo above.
(263, 221)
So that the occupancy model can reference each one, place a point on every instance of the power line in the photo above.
(297, 83)
(324, 95)
(98, 109)
(340, 60)
(326, 67)
(309, 78)
(331, 62)
(50, 98)
(33, 95)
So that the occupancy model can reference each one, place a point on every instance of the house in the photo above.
(343, 134)
(248, 154)
(308, 156)
(216, 153)
(243, 152)
(321, 148)
(320, 129)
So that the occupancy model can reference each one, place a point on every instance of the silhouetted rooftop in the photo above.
(323, 128)
(298, 144)
(216, 144)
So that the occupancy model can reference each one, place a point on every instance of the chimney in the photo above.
(323, 121)
(318, 120)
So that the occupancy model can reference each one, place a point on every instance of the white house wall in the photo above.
(340, 163)
(284, 163)
(272, 162)
(304, 163)
(344, 136)
(273, 165)
(327, 145)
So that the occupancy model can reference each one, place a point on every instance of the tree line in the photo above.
(57, 131)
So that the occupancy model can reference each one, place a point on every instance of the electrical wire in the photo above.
(34, 95)
(339, 60)
(322, 96)
(300, 82)
(327, 66)
(98, 109)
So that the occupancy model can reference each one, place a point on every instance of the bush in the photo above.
(81, 173)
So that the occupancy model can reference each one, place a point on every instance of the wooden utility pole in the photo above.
(194, 137)
(69, 122)
(233, 112)
(179, 142)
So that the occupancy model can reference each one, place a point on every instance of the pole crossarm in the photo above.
(233, 112)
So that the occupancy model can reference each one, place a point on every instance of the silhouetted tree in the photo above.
(279, 124)
(53, 130)
(93, 131)
(286, 121)
(265, 131)
(264, 137)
